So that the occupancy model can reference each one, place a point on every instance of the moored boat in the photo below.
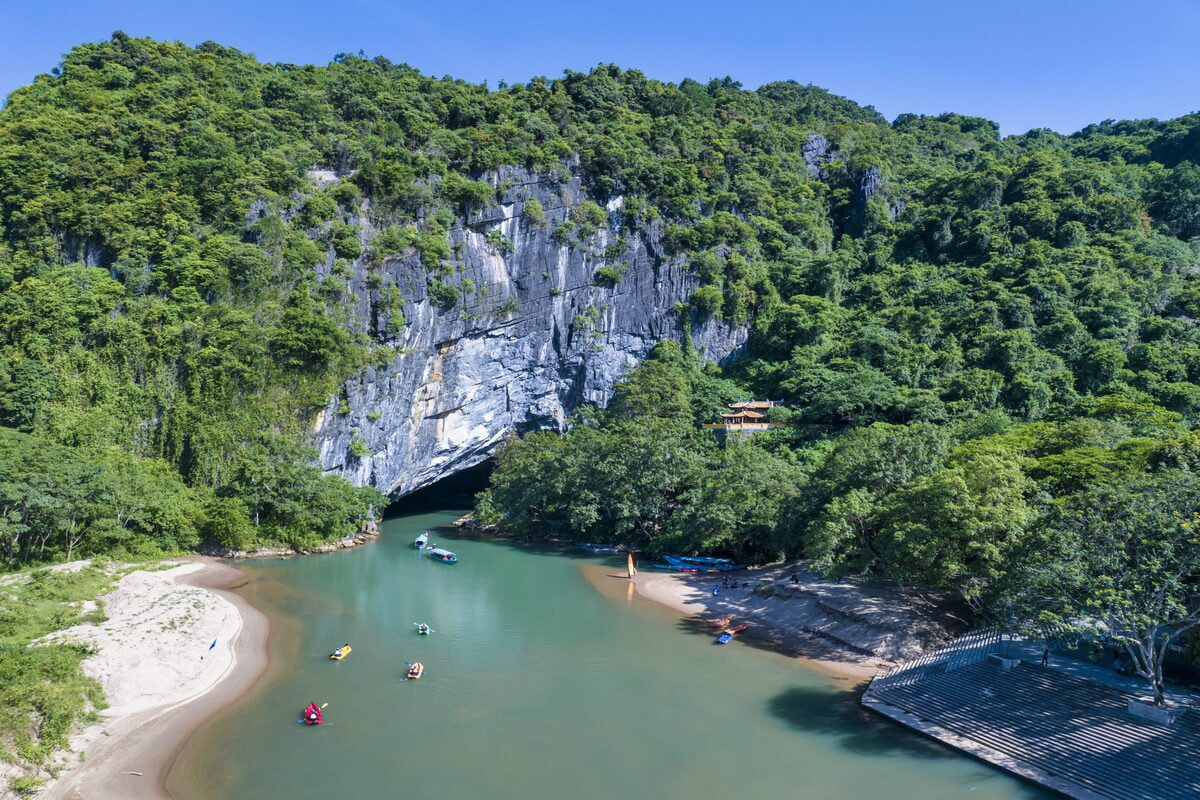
(721, 622)
(697, 564)
(421, 540)
(736, 629)
(415, 671)
(592, 547)
(340, 653)
(445, 556)
(725, 638)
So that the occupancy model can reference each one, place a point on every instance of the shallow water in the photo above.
(539, 683)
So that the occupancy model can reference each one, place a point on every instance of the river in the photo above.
(544, 679)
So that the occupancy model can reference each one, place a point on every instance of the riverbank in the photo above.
(156, 665)
(846, 629)
(367, 535)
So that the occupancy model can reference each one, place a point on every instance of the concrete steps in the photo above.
(1058, 724)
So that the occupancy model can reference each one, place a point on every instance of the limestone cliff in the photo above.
(532, 337)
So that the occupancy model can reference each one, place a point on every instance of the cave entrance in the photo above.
(453, 491)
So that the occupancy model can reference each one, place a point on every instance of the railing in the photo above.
(962, 652)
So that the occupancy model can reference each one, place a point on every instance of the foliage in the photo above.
(533, 212)
(45, 692)
(970, 333)
(1123, 559)
(607, 276)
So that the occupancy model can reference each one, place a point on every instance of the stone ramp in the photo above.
(1065, 732)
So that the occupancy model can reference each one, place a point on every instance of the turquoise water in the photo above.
(543, 679)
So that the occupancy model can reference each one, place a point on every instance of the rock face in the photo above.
(532, 337)
(815, 151)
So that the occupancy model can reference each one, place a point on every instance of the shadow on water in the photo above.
(837, 714)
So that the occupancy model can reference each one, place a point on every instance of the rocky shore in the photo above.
(368, 534)
(849, 627)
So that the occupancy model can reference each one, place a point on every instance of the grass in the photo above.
(43, 691)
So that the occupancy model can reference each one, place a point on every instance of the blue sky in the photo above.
(1057, 64)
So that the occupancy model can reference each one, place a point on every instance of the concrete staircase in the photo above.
(1071, 730)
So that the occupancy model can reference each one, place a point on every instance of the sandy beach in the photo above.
(160, 675)
(844, 629)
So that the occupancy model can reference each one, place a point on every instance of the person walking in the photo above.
(1046, 656)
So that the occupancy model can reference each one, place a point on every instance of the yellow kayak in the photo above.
(340, 653)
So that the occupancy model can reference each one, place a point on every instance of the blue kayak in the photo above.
(725, 638)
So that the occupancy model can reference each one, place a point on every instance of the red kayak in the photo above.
(312, 714)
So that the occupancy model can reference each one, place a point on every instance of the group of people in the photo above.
(727, 583)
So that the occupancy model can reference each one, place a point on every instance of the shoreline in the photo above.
(673, 591)
(843, 630)
(128, 754)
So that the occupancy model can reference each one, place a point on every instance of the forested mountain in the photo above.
(974, 334)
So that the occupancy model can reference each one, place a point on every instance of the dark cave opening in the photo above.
(453, 491)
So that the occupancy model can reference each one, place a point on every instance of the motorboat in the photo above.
(445, 556)
(421, 540)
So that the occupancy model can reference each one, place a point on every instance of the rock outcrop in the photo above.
(532, 336)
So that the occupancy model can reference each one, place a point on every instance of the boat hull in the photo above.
(702, 565)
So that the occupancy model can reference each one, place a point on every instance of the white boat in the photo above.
(421, 540)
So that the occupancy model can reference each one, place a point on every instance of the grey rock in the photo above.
(869, 185)
(531, 340)
(814, 151)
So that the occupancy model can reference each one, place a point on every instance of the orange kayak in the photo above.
(416, 671)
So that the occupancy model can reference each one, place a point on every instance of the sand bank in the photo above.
(844, 629)
(160, 675)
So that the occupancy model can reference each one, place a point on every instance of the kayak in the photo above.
(312, 715)
(722, 622)
(340, 653)
(735, 630)
(445, 556)
(415, 671)
(423, 629)
(725, 638)
(421, 540)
